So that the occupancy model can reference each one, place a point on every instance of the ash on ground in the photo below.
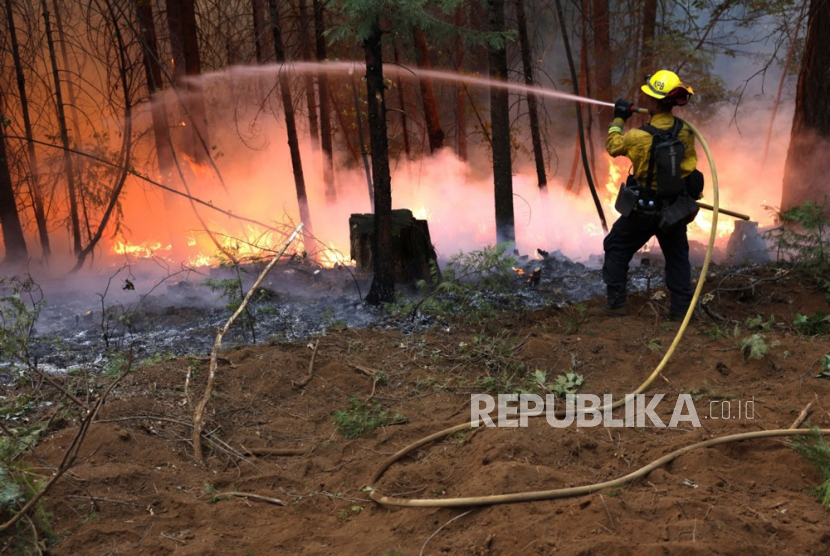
(87, 324)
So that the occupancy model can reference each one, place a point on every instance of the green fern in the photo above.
(363, 417)
(815, 448)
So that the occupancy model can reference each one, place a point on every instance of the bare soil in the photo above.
(138, 490)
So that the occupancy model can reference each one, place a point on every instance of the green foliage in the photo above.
(819, 323)
(804, 237)
(575, 317)
(346, 513)
(459, 287)
(757, 323)
(360, 16)
(18, 484)
(753, 347)
(816, 449)
(568, 383)
(824, 364)
(158, 358)
(232, 290)
(20, 306)
(363, 417)
(116, 363)
(714, 332)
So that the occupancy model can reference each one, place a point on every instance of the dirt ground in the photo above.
(138, 490)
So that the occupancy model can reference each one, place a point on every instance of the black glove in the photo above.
(623, 109)
(694, 184)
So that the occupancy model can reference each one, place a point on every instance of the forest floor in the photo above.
(137, 489)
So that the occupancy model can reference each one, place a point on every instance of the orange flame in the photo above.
(143, 250)
(199, 170)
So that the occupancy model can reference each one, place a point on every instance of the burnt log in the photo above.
(412, 249)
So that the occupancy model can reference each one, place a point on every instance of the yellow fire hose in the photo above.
(532, 496)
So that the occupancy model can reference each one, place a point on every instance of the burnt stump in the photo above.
(411, 245)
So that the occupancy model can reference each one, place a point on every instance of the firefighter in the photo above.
(645, 219)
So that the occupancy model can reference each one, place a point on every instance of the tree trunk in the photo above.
(647, 44)
(434, 132)
(259, 31)
(460, 93)
(383, 284)
(500, 125)
(402, 106)
(807, 166)
(603, 61)
(527, 65)
(580, 129)
(126, 147)
(325, 112)
(64, 133)
(184, 43)
(34, 174)
(161, 129)
(13, 240)
(344, 127)
(305, 48)
(291, 127)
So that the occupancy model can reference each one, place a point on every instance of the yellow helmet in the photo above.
(666, 85)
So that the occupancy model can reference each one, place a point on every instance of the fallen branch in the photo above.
(372, 373)
(60, 388)
(275, 452)
(310, 374)
(259, 497)
(804, 413)
(198, 413)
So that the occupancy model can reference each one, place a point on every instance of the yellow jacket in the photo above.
(636, 145)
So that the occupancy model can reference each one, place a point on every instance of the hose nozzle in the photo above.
(636, 110)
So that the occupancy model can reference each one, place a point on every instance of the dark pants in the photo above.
(627, 236)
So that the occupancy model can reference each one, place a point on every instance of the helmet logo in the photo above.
(659, 85)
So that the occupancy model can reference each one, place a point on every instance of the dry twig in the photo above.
(198, 413)
(310, 374)
(251, 496)
(804, 414)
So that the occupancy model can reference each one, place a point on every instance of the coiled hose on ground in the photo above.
(532, 496)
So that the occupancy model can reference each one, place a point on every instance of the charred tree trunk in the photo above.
(291, 126)
(603, 60)
(460, 93)
(344, 128)
(64, 133)
(434, 132)
(13, 239)
(161, 128)
(402, 105)
(187, 66)
(74, 119)
(527, 65)
(259, 31)
(585, 86)
(34, 174)
(126, 147)
(647, 43)
(807, 166)
(580, 128)
(500, 125)
(325, 111)
(383, 284)
(311, 103)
